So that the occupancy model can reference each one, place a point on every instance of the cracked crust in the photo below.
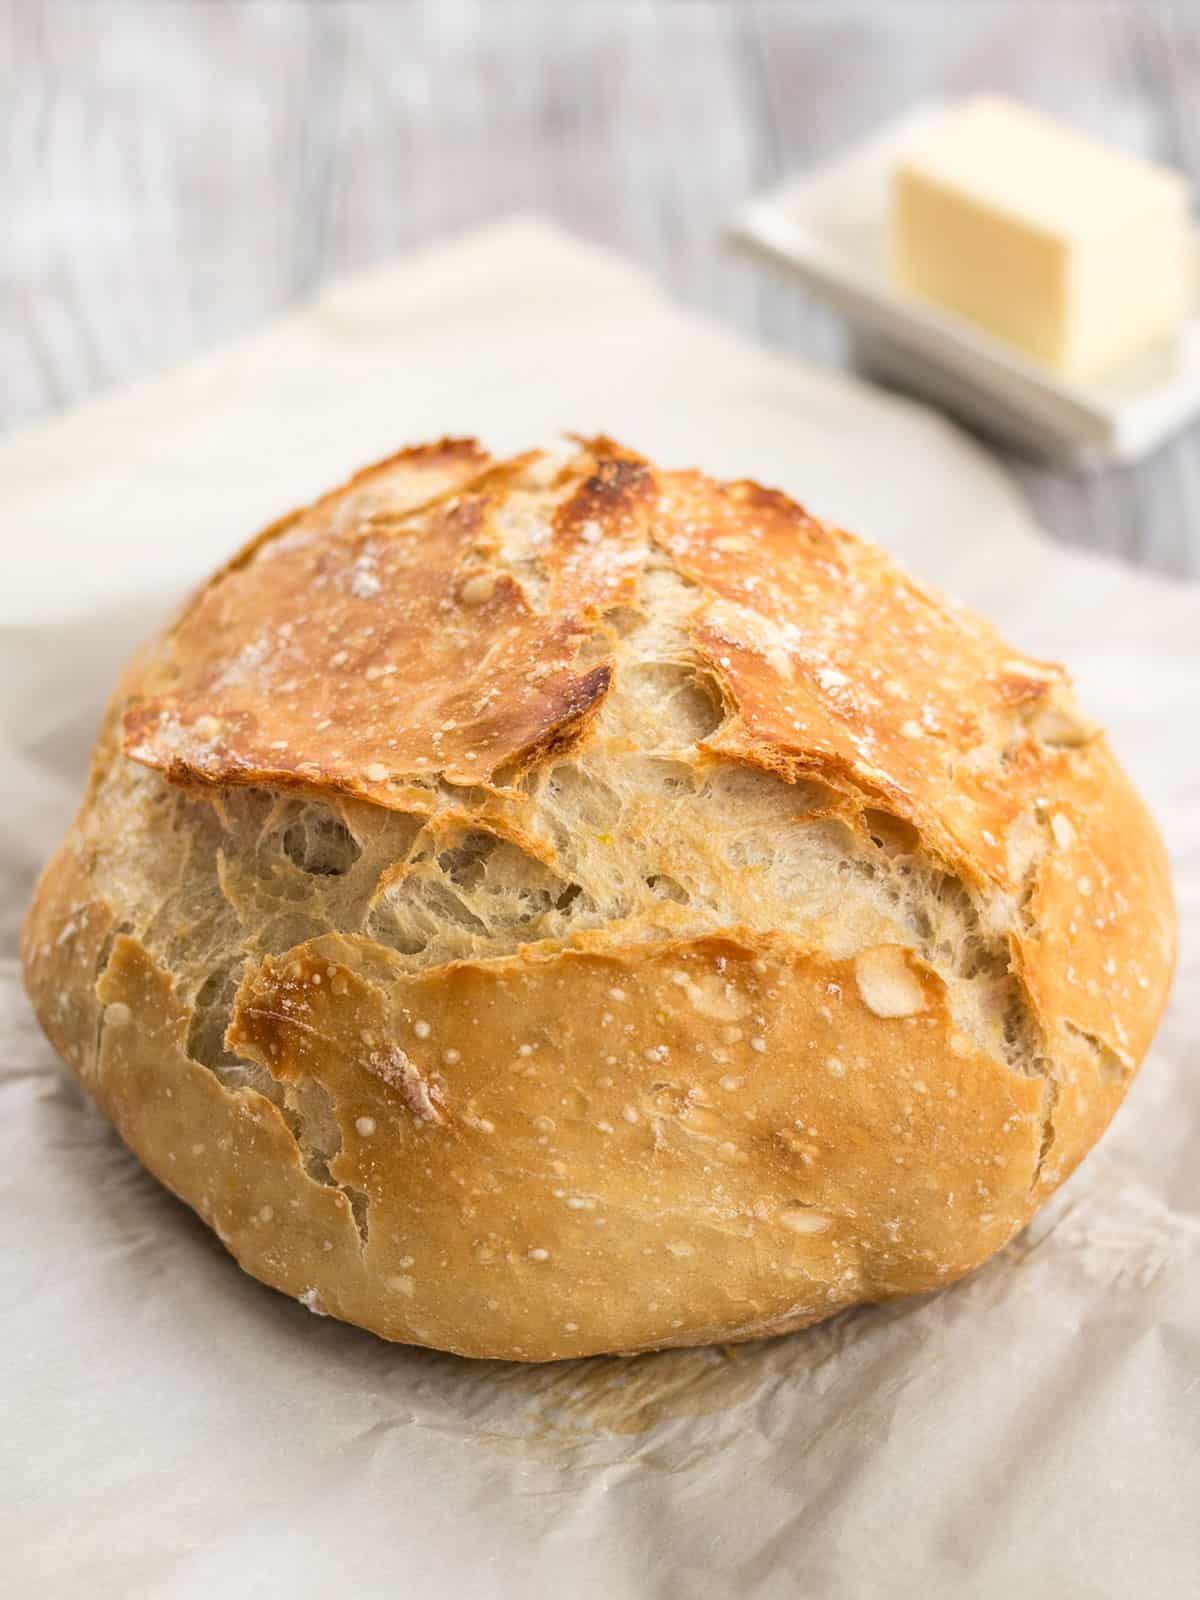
(553, 906)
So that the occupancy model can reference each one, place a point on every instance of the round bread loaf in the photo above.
(556, 905)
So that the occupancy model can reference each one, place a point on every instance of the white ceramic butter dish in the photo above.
(829, 225)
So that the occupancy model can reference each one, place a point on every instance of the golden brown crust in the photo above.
(354, 662)
(841, 664)
(599, 533)
(676, 1197)
(1096, 944)
(555, 1027)
(65, 941)
(229, 1156)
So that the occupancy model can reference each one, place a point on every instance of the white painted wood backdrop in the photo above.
(172, 171)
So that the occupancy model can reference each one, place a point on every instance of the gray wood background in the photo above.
(173, 171)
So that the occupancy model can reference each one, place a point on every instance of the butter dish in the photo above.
(829, 226)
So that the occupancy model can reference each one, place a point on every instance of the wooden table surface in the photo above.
(173, 171)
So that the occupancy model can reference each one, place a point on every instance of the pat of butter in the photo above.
(1077, 254)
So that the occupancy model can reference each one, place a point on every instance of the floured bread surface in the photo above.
(557, 905)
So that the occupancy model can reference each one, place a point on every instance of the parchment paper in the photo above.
(173, 1429)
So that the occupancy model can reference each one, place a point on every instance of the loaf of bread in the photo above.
(557, 905)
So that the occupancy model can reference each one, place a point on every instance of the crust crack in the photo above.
(1108, 1063)
(305, 1106)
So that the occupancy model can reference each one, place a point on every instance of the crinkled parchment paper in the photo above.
(171, 1428)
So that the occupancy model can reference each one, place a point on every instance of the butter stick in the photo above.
(1077, 254)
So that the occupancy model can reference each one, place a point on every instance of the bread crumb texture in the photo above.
(557, 905)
